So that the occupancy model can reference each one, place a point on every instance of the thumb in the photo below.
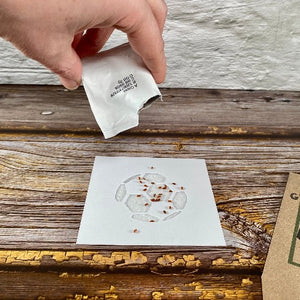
(67, 65)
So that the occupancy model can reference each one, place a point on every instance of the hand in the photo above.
(51, 32)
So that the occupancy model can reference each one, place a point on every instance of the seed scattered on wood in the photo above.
(145, 185)
(138, 195)
(151, 221)
(146, 204)
(170, 191)
(135, 231)
(152, 182)
(182, 188)
(170, 207)
(174, 183)
(164, 212)
(144, 190)
(170, 201)
(152, 167)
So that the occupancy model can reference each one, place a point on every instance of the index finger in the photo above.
(145, 38)
(160, 10)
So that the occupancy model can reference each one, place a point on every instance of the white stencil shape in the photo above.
(179, 200)
(136, 203)
(121, 192)
(152, 193)
(145, 218)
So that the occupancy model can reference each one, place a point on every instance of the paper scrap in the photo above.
(281, 275)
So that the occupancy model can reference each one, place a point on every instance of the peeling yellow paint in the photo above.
(255, 260)
(34, 258)
(178, 263)
(269, 228)
(156, 130)
(177, 289)
(105, 294)
(111, 290)
(111, 297)
(237, 294)
(246, 282)
(83, 297)
(187, 261)
(228, 294)
(204, 294)
(193, 264)
(188, 257)
(64, 275)
(157, 295)
(198, 285)
(238, 210)
(166, 260)
(212, 129)
(118, 259)
(138, 257)
(73, 275)
(218, 261)
(237, 130)
(178, 146)
(239, 261)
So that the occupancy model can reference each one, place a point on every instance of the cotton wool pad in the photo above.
(118, 86)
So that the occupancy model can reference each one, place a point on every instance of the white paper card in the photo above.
(150, 201)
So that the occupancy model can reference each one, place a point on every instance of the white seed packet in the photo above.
(118, 86)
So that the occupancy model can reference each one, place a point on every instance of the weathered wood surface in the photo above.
(44, 178)
(234, 44)
(45, 166)
(183, 111)
(59, 286)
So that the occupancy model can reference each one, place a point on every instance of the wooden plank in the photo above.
(45, 166)
(184, 111)
(158, 260)
(44, 179)
(100, 286)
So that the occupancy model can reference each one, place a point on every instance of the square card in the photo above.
(150, 201)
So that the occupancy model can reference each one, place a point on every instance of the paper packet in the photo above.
(118, 86)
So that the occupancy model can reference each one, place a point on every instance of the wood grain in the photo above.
(127, 286)
(183, 112)
(250, 140)
(44, 179)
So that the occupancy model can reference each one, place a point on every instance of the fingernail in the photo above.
(69, 83)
